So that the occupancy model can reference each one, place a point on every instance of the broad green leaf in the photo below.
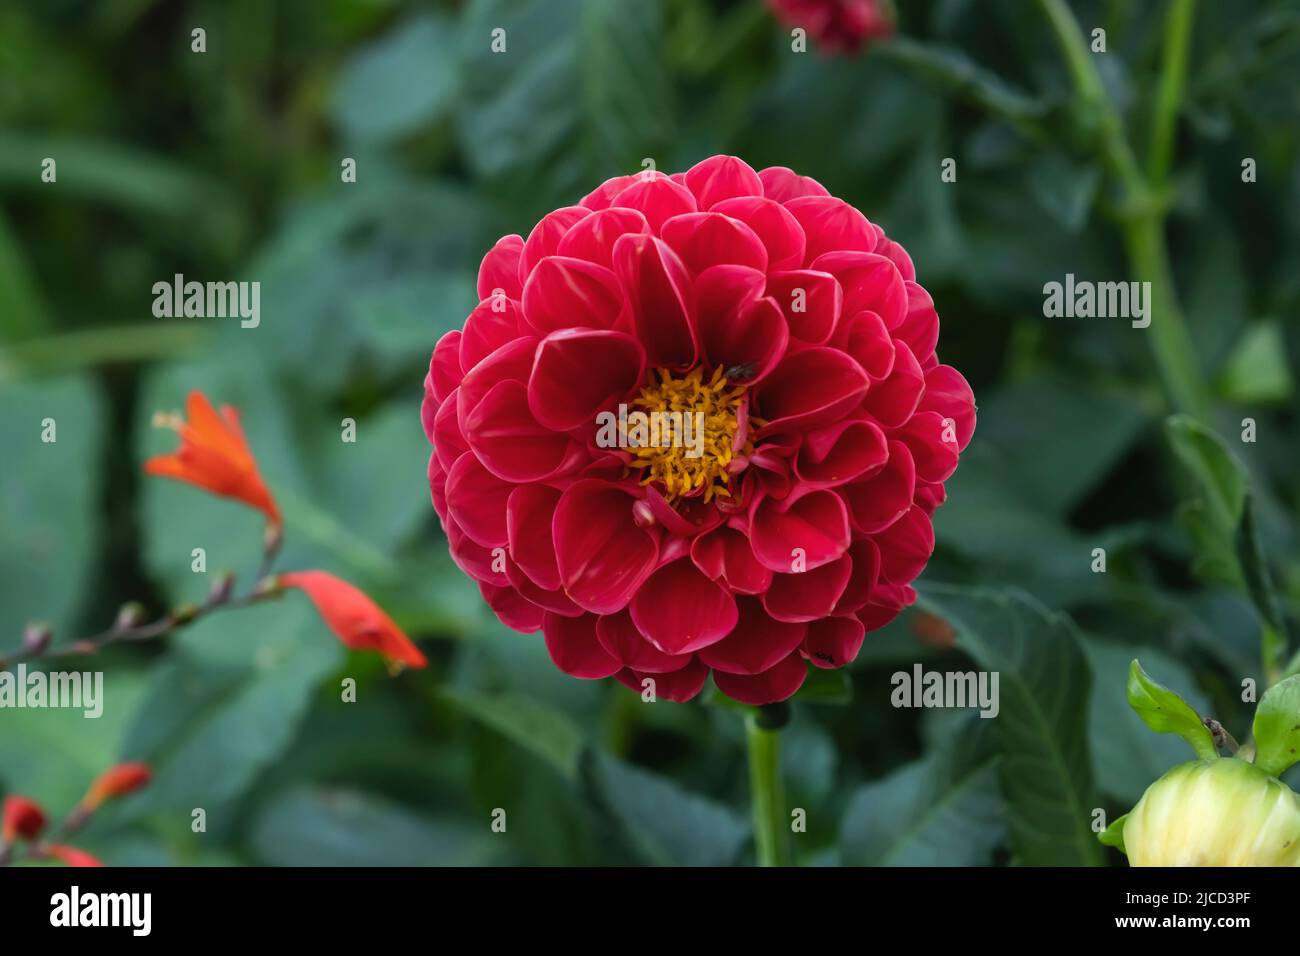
(1044, 685)
(1166, 713)
(1064, 188)
(1277, 727)
(401, 82)
(1220, 476)
(943, 810)
(318, 826)
(540, 730)
(1257, 371)
(49, 512)
(664, 823)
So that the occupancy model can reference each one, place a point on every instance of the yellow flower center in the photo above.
(685, 439)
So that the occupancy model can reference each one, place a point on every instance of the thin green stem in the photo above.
(771, 828)
(1169, 97)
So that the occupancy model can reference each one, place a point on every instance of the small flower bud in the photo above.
(116, 782)
(184, 614)
(221, 589)
(1218, 812)
(22, 818)
(129, 615)
(36, 637)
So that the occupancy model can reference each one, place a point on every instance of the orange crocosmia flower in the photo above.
(357, 621)
(69, 855)
(117, 782)
(214, 456)
(22, 818)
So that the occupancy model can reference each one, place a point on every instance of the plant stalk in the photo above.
(767, 793)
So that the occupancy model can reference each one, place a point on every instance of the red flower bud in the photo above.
(116, 782)
(22, 818)
(69, 855)
(357, 621)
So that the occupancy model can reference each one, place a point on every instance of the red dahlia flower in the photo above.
(787, 326)
(837, 26)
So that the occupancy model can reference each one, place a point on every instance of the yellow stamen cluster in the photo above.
(673, 464)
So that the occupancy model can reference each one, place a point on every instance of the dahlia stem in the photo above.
(771, 827)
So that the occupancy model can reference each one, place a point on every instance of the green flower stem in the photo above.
(771, 826)
(1143, 206)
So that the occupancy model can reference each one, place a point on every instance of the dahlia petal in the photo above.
(831, 225)
(808, 595)
(621, 639)
(782, 184)
(842, 452)
(834, 641)
(657, 198)
(593, 238)
(429, 406)
(580, 371)
(512, 609)
(445, 371)
(509, 442)
(871, 283)
(478, 499)
(512, 362)
(777, 683)
(448, 441)
(678, 686)
(758, 642)
(689, 518)
(572, 644)
(865, 555)
(722, 177)
(438, 488)
(500, 268)
(808, 531)
(920, 328)
(925, 434)
(601, 197)
(724, 554)
(774, 225)
(879, 501)
(812, 303)
(493, 323)
(556, 601)
(680, 610)
(893, 400)
(948, 393)
(529, 512)
(929, 496)
(658, 289)
(905, 547)
(480, 563)
(545, 238)
(887, 602)
(704, 239)
(864, 336)
(810, 387)
(752, 338)
(602, 555)
(564, 293)
(896, 254)
(721, 291)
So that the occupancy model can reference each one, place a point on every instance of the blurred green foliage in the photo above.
(226, 165)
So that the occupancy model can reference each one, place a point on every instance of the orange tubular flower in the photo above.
(69, 855)
(22, 818)
(116, 782)
(357, 621)
(214, 456)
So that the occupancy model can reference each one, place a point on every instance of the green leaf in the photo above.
(1255, 570)
(943, 810)
(1064, 188)
(1113, 835)
(1211, 519)
(401, 82)
(315, 826)
(1166, 713)
(826, 687)
(542, 731)
(1256, 372)
(49, 519)
(1044, 682)
(1126, 755)
(1277, 727)
(665, 824)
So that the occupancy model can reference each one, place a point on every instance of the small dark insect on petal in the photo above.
(740, 372)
